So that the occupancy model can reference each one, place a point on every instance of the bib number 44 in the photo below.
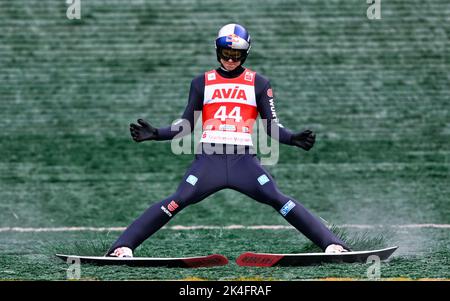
(235, 113)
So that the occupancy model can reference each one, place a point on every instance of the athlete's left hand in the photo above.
(305, 139)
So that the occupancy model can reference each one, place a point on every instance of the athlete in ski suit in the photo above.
(230, 98)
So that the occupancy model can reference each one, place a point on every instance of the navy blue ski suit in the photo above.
(242, 172)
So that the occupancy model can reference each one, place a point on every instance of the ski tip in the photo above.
(63, 256)
(389, 252)
(68, 258)
(257, 260)
(393, 248)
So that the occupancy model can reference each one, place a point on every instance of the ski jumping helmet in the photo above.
(233, 42)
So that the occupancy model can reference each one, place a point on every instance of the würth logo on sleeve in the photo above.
(164, 209)
(229, 93)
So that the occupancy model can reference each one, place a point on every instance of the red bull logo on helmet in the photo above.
(232, 38)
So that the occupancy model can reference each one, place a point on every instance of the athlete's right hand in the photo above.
(143, 131)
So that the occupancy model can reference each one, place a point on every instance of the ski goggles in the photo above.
(231, 54)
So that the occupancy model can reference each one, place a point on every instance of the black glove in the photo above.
(304, 139)
(143, 132)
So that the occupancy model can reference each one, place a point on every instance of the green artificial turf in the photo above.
(375, 92)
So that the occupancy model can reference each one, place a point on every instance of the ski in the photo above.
(304, 259)
(181, 262)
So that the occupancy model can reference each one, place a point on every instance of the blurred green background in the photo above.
(376, 93)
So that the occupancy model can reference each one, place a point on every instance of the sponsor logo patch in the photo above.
(263, 179)
(272, 109)
(166, 211)
(270, 93)
(232, 38)
(192, 180)
(211, 76)
(230, 93)
(172, 206)
(248, 76)
(287, 207)
(227, 127)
